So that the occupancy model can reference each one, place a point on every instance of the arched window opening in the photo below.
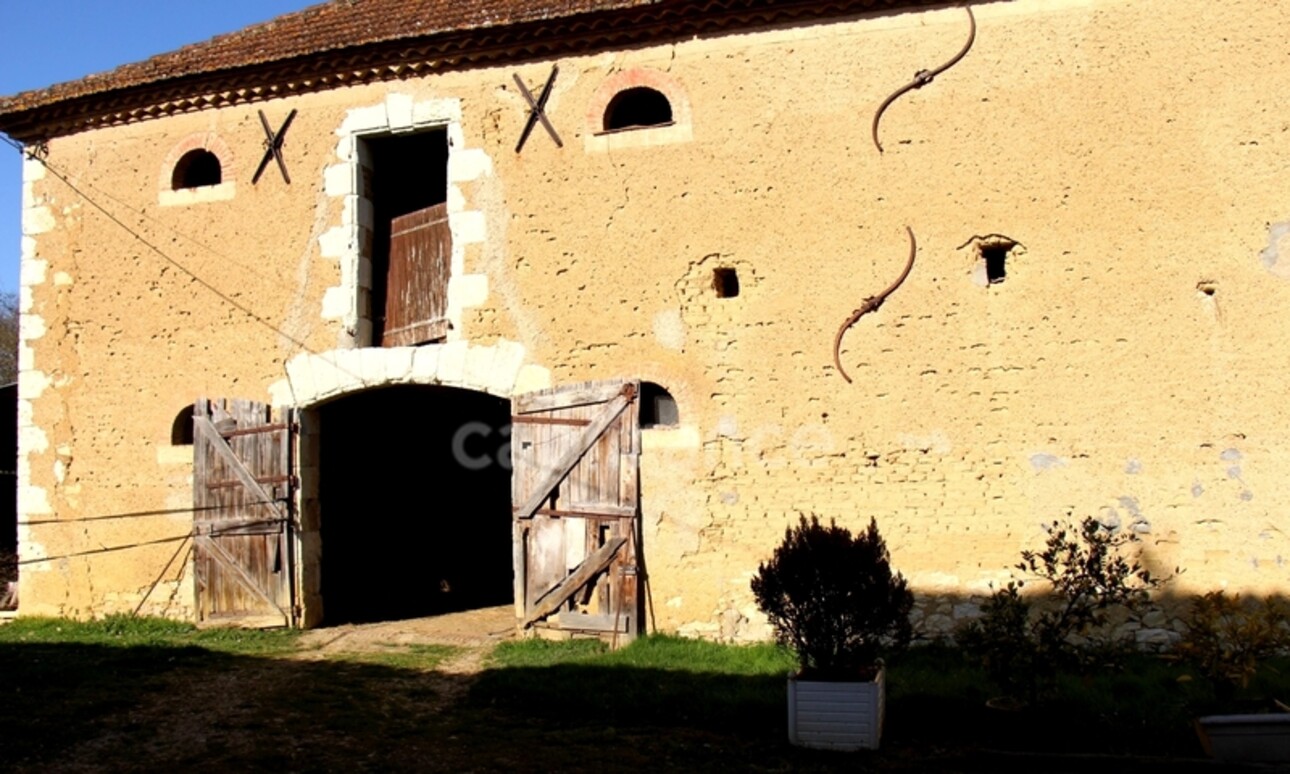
(196, 169)
(181, 430)
(636, 108)
(658, 407)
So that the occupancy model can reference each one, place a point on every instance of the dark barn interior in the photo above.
(415, 489)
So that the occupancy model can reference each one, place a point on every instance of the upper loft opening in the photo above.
(197, 168)
(405, 179)
(405, 172)
(637, 108)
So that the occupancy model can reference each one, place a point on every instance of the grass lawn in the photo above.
(140, 694)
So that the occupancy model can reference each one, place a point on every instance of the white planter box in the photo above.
(1236, 738)
(836, 716)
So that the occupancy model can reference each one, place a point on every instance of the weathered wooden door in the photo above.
(243, 499)
(575, 452)
(416, 293)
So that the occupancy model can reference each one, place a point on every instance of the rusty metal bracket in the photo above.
(273, 147)
(871, 304)
(537, 109)
(924, 77)
(37, 151)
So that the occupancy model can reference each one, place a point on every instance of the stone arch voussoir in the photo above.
(498, 369)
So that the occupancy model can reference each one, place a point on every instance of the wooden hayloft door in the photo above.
(243, 499)
(575, 452)
(416, 298)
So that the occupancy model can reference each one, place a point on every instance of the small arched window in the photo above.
(181, 430)
(658, 407)
(636, 108)
(196, 169)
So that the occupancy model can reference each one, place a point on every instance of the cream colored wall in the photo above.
(1135, 148)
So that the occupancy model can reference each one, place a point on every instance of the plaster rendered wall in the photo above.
(1123, 144)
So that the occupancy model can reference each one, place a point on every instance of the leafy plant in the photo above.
(1021, 645)
(1001, 642)
(1228, 638)
(832, 597)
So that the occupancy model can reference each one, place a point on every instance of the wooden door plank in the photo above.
(590, 512)
(602, 622)
(519, 552)
(546, 555)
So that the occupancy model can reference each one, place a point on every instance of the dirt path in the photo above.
(472, 629)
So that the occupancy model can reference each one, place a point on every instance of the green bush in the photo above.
(832, 598)
(1022, 645)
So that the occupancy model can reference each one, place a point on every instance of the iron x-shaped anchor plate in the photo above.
(273, 147)
(537, 109)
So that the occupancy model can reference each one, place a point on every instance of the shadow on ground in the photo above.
(76, 706)
(87, 707)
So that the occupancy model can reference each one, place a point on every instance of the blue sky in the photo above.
(63, 40)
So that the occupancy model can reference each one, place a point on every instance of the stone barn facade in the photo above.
(388, 307)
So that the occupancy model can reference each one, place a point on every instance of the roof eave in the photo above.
(391, 60)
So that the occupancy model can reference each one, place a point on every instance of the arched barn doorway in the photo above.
(414, 492)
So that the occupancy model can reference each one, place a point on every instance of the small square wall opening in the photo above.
(995, 258)
(725, 281)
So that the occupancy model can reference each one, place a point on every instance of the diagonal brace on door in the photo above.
(564, 465)
(236, 571)
(592, 566)
(207, 428)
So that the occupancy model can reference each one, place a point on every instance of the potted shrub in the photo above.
(832, 597)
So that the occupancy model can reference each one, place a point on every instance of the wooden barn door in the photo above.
(243, 498)
(416, 293)
(575, 452)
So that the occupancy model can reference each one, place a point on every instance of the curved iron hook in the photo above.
(924, 77)
(871, 304)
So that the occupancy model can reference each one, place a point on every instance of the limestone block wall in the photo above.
(1128, 364)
